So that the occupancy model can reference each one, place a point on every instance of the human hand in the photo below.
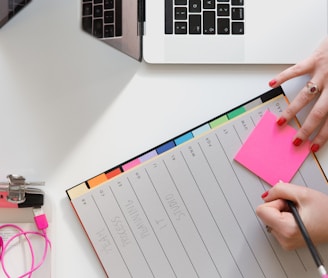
(317, 67)
(312, 206)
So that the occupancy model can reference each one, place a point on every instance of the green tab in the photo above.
(218, 121)
(236, 112)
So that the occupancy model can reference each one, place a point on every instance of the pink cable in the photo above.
(21, 232)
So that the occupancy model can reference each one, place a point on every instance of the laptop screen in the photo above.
(9, 8)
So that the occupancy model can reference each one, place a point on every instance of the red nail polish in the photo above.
(272, 83)
(266, 193)
(297, 142)
(315, 147)
(281, 121)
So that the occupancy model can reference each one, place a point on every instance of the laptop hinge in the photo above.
(141, 16)
(141, 11)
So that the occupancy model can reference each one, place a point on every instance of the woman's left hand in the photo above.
(317, 67)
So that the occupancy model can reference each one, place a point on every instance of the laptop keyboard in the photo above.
(102, 18)
(15, 6)
(207, 17)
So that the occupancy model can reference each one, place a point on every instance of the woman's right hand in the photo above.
(313, 209)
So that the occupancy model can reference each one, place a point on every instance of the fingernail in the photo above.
(266, 193)
(272, 82)
(281, 121)
(315, 147)
(297, 142)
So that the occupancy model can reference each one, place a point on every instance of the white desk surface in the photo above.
(73, 107)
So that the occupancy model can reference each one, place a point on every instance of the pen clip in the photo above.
(17, 188)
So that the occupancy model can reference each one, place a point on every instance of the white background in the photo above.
(73, 107)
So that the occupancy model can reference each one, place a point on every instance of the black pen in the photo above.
(313, 250)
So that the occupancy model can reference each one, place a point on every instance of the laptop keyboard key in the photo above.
(223, 10)
(223, 26)
(195, 6)
(238, 28)
(209, 23)
(98, 28)
(87, 9)
(180, 2)
(209, 4)
(87, 24)
(180, 28)
(109, 17)
(109, 31)
(180, 13)
(98, 11)
(194, 24)
(169, 17)
(108, 4)
(237, 13)
(237, 2)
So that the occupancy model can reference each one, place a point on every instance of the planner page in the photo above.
(187, 209)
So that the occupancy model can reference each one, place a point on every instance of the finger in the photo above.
(270, 212)
(302, 99)
(285, 191)
(321, 138)
(314, 119)
(301, 68)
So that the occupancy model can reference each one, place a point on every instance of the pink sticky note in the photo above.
(269, 153)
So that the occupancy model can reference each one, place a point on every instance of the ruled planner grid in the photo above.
(190, 212)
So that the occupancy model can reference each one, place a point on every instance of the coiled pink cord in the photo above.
(42, 224)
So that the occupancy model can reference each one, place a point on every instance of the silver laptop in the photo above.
(9, 8)
(209, 31)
